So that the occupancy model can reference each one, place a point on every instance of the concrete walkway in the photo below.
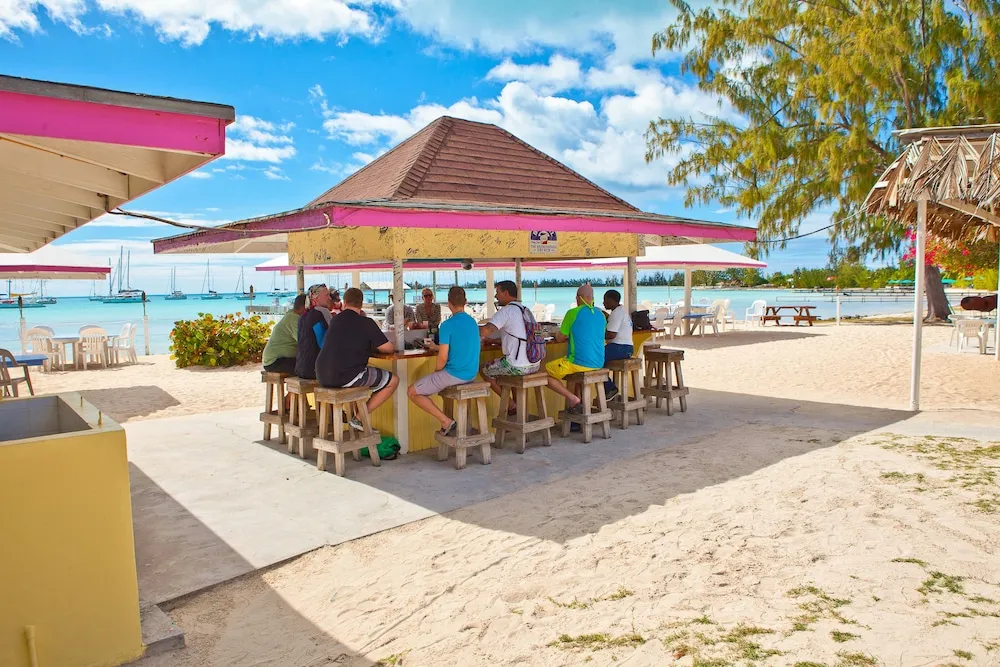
(211, 502)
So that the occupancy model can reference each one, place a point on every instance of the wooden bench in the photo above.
(274, 392)
(457, 401)
(625, 375)
(333, 405)
(301, 427)
(583, 385)
(516, 388)
(659, 384)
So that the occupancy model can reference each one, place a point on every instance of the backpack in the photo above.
(535, 341)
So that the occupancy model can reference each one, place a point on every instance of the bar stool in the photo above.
(301, 427)
(457, 401)
(585, 383)
(659, 384)
(516, 388)
(332, 405)
(274, 391)
(625, 374)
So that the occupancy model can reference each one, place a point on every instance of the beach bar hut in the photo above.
(459, 191)
(69, 154)
(946, 182)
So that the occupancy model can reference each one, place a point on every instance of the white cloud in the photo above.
(345, 169)
(561, 73)
(200, 174)
(605, 143)
(275, 174)
(257, 140)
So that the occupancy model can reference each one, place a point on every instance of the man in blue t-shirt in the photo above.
(457, 361)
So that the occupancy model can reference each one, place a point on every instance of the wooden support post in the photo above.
(398, 301)
(632, 285)
(918, 303)
(517, 279)
(300, 279)
(490, 289)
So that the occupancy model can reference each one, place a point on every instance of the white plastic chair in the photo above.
(94, 345)
(124, 345)
(728, 316)
(704, 301)
(955, 318)
(675, 323)
(755, 313)
(538, 311)
(660, 322)
(40, 342)
(550, 312)
(712, 321)
(646, 305)
(971, 330)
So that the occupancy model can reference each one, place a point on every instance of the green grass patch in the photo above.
(914, 561)
(598, 641)
(856, 660)
(841, 637)
(964, 655)
(939, 582)
(620, 594)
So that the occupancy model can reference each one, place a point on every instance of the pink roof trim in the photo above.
(49, 268)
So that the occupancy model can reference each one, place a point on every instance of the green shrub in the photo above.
(212, 341)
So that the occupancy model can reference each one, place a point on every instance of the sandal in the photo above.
(451, 430)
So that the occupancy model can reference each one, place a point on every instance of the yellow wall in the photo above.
(67, 558)
(333, 246)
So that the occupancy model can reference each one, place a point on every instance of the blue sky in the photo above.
(323, 86)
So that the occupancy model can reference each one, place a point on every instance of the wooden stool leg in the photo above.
(680, 383)
(280, 388)
(670, 383)
(640, 414)
(366, 421)
(352, 412)
(621, 381)
(305, 443)
(324, 424)
(602, 402)
(543, 413)
(462, 432)
(292, 416)
(505, 394)
(588, 404)
(484, 427)
(268, 407)
(521, 418)
(339, 464)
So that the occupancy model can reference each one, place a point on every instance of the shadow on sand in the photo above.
(165, 533)
(142, 400)
(739, 338)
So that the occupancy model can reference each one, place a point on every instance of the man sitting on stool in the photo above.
(619, 335)
(457, 362)
(343, 360)
(281, 349)
(583, 328)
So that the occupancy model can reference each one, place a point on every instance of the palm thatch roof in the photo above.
(957, 170)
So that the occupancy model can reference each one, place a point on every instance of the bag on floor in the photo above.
(388, 449)
(640, 321)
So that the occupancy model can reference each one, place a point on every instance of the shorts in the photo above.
(501, 366)
(561, 367)
(281, 365)
(375, 378)
(435, 383)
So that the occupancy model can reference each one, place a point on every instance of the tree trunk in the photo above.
(937, 302)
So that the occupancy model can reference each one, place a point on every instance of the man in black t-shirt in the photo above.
(312, 330)
(343, 360)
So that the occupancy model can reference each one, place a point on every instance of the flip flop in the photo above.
(451, 430)
(576, 409)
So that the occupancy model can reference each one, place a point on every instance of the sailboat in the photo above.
(28, 299)
(42, 299)
(126, 294)
(94, 296)
(175, 294)
(241, 294)
(208, 294)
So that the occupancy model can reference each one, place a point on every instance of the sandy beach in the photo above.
(837, 548)
(853, 364)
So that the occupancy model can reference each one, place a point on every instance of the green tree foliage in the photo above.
(810, 92)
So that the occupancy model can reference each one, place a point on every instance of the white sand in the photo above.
(637, 552)
(853, 364)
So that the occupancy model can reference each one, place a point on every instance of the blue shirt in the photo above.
(461, 334)
(584, 325)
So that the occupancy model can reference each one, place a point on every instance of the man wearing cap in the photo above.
(312, 331)
(583, 329)
(282, 347)
(390, 315)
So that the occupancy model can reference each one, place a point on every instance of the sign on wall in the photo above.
(543, 243)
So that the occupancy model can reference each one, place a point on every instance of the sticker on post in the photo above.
(543, 243)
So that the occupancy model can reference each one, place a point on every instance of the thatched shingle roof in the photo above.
(957, 169)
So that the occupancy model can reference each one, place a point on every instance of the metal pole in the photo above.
(838, 308)
(632, 285)
(145, 324)
(918, 303)
(490, 290)
(996, 330)
(300, 279)
(398, 301)
(688, 329)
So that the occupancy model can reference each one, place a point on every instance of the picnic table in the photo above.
(798, 314)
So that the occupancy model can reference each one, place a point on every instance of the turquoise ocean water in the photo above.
(70, 313)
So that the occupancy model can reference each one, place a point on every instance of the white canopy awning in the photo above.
(696, 257)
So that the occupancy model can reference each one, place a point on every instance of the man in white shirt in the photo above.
(509, 321)
(618, 335)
